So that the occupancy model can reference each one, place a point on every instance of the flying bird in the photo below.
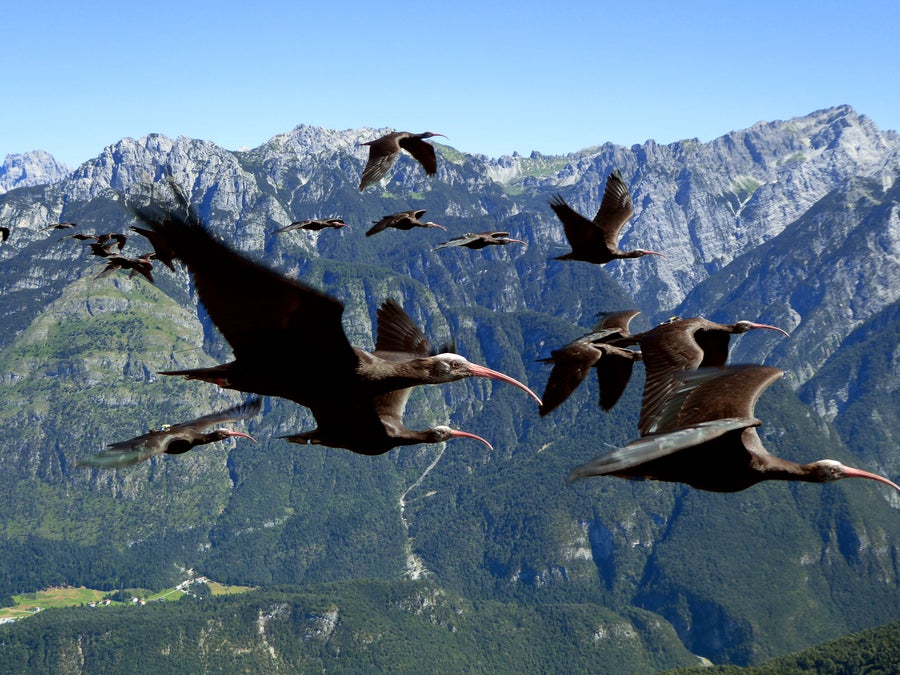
(314, 224)
(572, 362)
(161, 250)
(4, 233)
(287, 337)
(405, 220)
(597, 241)
(713, 444)
(173, 440)
(480, 240)
(104, 250)
(677, 346)
(60, 226)
(117, 238)
(141, 266)
(384, 151)
(398, 340)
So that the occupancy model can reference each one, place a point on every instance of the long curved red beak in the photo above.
(850, 472)
(465, 434)
(765, 325)
(241, 434)
(484, 371)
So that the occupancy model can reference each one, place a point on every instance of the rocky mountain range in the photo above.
(794, 223)
(31, 168)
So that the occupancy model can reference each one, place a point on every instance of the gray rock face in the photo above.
(31, 168)
(704, 204)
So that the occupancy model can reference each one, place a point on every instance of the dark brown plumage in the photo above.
(398, 340)
(480, 240)
(107, 238)
(677, 346)
(4, 233)
(712, 443)
(592, 350)
(173, 440)
(384, 151)
(287, 337)
(313, 225)
(136, 266)
(597, 241)
(404, 220)
(104, 250)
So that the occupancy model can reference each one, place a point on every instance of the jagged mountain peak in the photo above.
(36, 167)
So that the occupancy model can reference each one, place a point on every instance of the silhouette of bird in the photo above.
(405, 220)
(60, 226)
(384, 151)
(173, 440)
(680, 345)
(597, 241)
(399, 340)
(592, 350)
(480, 240)
(104, 250)
(713, 444)
(116, 238)
(4, 233)
(161, 250)
(287, 337)
(141, 266)
(314, 225)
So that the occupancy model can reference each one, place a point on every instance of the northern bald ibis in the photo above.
(398, 340)
(173, 440)
(404, 220)
(479, 240)
(712, 443)
(680, 345)
(597, 241)
(314, 224)
(141, 266)
(287, 337)
(572, 362)
(384, 151)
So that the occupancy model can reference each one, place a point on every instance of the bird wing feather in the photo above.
(658, 446)
(397, 332)
(580, 232)
(668, 349)
(572, 363)
(615, 209)
(260, 313)
(422, 151)
(613, 373)
(378, 165)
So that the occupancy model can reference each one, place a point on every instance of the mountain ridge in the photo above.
(81, 355)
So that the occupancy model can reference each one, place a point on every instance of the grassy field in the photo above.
(29, 603)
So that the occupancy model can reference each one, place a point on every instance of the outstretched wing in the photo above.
(572, 363)
(262, 315)
(422, 151)
(628, 459)
(236, 413)
(615, 208)
(397, 332)
(582, 234)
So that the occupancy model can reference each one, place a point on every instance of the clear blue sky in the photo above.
(495, 77)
